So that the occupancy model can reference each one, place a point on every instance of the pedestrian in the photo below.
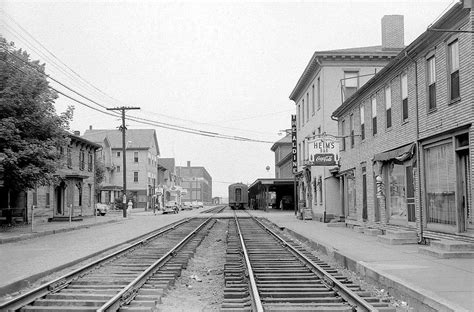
(130, 206)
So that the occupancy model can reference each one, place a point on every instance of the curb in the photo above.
(418, 298)
(26, 236)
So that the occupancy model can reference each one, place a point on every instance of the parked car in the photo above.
(200, 204)
(101, 209)
(186, 206)
(171, 206)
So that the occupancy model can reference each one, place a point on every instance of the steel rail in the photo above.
(253, 284)
(130, 291)
(328, 279)
(63, 281)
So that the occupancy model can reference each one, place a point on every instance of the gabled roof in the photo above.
(284, 141)
(370, 52)
(136, 138)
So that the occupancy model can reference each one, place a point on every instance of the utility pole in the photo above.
(124, 158)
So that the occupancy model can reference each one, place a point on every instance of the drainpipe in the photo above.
(421, 239)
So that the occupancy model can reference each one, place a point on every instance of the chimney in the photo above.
(189, 163)
(78, 133)
(90, 127)
(393, 32)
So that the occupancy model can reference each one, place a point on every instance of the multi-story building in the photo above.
(73, 196)
(141, 162)
(197, 182)
(329, 78)
(283, 157)
(408, 158)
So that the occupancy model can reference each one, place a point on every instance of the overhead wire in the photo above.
(83, 81)
(133, 118)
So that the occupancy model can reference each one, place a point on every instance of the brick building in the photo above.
(329, 78)
(197, 182)
(408, 155)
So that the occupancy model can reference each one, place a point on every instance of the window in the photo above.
(118, 168)
(35, 197)
(135, 176)
(302, 112)
(118, 154)
(351, 125)
(343, 135)
(299, 116)
(89, 162)
(453, 53)
(374, 115)
(69, 157)
(362, 122)
(135, 157)
(431, 79)
(318, 96)
(307, 106)
(313, 102)
(82, 157)
(48, 198)
(388, 106)
(351, 83)
(404, 90)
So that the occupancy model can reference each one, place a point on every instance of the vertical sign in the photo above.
(294, 149)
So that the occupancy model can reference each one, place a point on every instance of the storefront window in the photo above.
(440, 184)
(397, 192)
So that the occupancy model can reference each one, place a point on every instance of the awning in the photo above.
(400, 154)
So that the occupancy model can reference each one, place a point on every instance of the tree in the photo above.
(30, 130)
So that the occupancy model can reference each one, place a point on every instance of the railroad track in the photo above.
(131, 279)
(217, 209)
(265, 272)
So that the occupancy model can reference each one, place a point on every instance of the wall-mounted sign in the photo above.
(294, 150)
(323, 152)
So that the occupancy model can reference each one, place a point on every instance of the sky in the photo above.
(226, 67)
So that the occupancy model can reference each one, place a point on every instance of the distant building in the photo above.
(142, 158)
(329, 78)
(283, 160)
(168, 183)
(197, 182)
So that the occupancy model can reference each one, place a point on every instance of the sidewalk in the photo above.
(443, 284)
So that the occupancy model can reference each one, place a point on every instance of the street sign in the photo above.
(323, 151)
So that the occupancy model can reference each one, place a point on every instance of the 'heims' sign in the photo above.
(294, 144)
(323, 152)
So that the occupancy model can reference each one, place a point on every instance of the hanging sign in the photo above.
(323, 152)
(294, 144)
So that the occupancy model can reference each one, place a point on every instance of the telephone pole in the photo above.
(124, 158)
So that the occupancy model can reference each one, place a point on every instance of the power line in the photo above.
(141, 120)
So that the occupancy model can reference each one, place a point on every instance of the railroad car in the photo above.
(238, 196)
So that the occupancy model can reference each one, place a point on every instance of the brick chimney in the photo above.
(393, 35)
(189, 163)
(78, 133)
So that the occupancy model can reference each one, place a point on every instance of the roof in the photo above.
(269, 181)
(166, 163)
(136, 138)
(83, 140)
(284, 141)
(426, 37)
(369, 52)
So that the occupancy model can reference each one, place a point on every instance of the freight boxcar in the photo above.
(238, 196)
